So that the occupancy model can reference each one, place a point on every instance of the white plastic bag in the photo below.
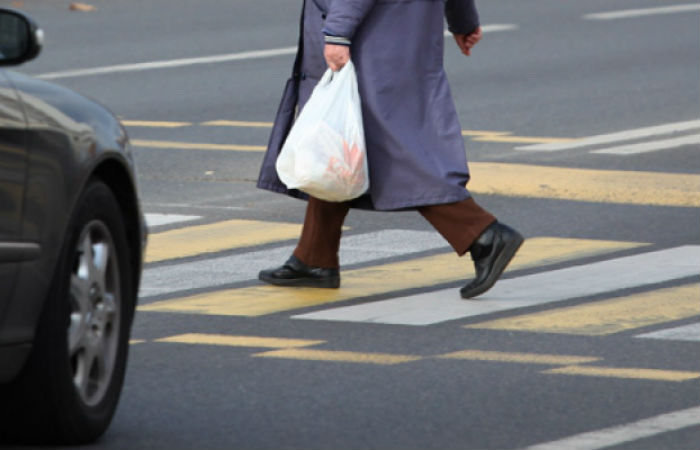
(324, 154)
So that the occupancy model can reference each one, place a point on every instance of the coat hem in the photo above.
(366, 202)
(413, 203)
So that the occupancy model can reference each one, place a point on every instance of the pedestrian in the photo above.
(415, 147)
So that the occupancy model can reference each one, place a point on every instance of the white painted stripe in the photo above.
(608, 437)
(496, 27)
(683, 333)
(644, 147)
(193, 206)
(628, 13)
(244, 267)
(615, 137)
(552, 286)
(212, 59)
(154, 219)
(493, 28)
(166, 64)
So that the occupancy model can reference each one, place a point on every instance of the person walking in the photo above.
(415, 148)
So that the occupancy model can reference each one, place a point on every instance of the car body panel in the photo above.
(13, 166)
(67, 140)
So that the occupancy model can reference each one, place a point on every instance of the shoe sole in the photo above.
(330, 283)
(499, 267)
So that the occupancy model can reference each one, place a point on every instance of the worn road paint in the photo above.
(380, 279)
(608, 316)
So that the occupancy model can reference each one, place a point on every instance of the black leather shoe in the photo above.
(491, 253)
(296, 273)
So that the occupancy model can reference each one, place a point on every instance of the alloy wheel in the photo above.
(95, 305)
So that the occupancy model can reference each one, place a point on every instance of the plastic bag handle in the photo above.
(329, 74)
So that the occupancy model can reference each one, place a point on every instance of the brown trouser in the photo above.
(459, 223)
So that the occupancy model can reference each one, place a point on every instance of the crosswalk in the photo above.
(654, 138)
(199, 267)
(630, 142)
(547, 287)
(409, 277)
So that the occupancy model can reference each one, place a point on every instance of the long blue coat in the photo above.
(415, 148)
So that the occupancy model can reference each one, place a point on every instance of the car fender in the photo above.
(72, 139)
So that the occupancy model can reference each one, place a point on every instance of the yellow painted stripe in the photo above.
(604, 186)
(609, 316)
(415, 273)
(520, 139)
(627, 373)
(507, 137)
(339, 356)
(154, 124)
(216, 237)
(237, 123)
(522, 358)
(238, 341)
(197, 146)
(136, 341)
(479, 133)
(293, 349)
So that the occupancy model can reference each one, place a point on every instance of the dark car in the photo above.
(71, 247)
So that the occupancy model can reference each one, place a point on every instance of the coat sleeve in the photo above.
(345, 16)
(461, 16)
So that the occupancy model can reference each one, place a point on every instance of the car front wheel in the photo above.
(71, 384)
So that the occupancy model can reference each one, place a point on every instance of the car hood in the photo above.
(52, 105)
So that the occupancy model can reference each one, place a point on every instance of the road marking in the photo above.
(521, 180)
(495, 27)
(530, 290)
(598, 186)
(689, 333)
(482, 133)
(230, 269)
(289, 348)
(215, 237)
(625, 372)
(193, 206)
(645, 147)
(339, 356)
(154, 124)
(620, 136)
(239, 341)
(480, 136)
(476, 135)
(506, 136)
(520, 358)
(609, 437)
(609, 316)
(520, 139)
(492, 28)
(236, 123)
(628, 13)
(197, 146)
(169, 64)
(374, 280)
(212, 59)
(155, 220)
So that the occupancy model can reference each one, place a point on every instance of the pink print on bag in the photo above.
(348, 171)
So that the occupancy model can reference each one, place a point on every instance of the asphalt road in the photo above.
(581, 131)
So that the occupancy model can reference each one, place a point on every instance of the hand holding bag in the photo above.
(324, 154)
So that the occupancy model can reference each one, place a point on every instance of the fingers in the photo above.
(474, 37)
(466, 42)
(336, 56)
(461, 42)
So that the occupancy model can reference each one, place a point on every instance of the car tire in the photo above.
(69, 389)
